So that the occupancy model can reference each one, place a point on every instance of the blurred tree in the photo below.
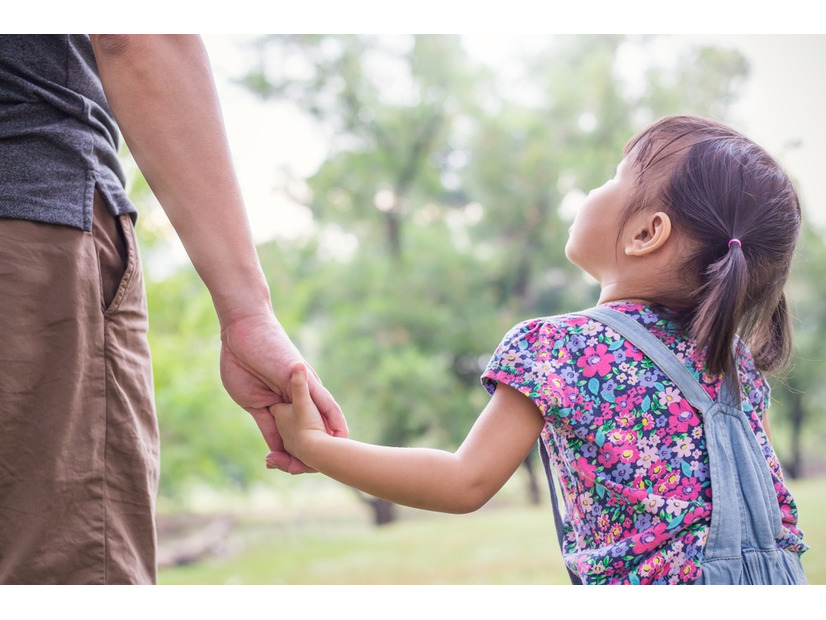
(451, 183)
(205, 437)
(799, 391)
(390, 105)
(394, 108)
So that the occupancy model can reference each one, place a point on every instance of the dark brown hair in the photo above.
(717, 186)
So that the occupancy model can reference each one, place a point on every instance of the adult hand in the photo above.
(257, 360)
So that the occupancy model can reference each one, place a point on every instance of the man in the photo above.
(78, 433)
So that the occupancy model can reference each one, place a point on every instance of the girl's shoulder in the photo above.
(562, 326)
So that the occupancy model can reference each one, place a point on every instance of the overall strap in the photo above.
(660, 354)
(543, 452)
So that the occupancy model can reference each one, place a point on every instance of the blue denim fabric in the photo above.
(741, 546)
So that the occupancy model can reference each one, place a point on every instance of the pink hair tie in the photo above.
(737, 241)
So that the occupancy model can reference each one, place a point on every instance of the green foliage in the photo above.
(205, 437)
(798, 393)
(446, 181)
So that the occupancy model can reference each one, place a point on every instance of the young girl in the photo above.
(652, 406)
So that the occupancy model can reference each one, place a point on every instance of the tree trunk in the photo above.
(384, 512)
(794, 468)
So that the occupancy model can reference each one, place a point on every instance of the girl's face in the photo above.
(594, 235)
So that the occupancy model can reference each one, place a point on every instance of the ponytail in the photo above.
(740, 215)
(773, 347)
(719, 314)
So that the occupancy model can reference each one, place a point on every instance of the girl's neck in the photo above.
(621, 292)
(625, 300)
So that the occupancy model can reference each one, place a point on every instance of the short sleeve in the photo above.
(523, 361)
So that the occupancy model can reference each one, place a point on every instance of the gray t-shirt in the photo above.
(58, 138)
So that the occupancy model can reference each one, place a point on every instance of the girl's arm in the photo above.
(459, 482)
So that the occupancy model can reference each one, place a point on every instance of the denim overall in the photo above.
(745, 518)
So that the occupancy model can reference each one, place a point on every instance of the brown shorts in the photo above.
(78, 433)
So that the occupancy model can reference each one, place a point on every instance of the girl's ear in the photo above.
(648, 233)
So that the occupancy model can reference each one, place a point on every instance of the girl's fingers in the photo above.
(299, 387)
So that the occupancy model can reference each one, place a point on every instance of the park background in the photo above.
(411, 197)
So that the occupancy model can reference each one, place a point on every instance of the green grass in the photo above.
(810, 495)
(331, 541)
(496, 546)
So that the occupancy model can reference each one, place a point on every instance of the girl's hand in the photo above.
(300, 421)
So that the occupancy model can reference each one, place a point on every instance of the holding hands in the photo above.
(257, 361)
(299, 422)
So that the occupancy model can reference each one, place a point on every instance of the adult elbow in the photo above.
(113, 45)
(124, 46)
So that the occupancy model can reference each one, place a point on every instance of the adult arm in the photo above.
(498, 442)
(162, 93)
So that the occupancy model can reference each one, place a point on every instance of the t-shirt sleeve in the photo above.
(522, 361)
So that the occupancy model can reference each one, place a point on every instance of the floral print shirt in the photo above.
(628, 449)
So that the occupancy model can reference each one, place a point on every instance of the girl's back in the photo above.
(629, 449)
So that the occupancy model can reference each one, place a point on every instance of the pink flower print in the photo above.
(632, 352)
(622, 436)
(690, 572)
(628, 454)
(587, 471)
(626, 419)
(689, 488)
(633, 494)
(682, 416)
(578, 320)
(625, 405)
(586, 502)
(653, 568)
(658, 470)
(667, 484)
(786, 514)
(501, 376)
(695, 513)
(649, 539)
(596, 360)
(608, 456)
